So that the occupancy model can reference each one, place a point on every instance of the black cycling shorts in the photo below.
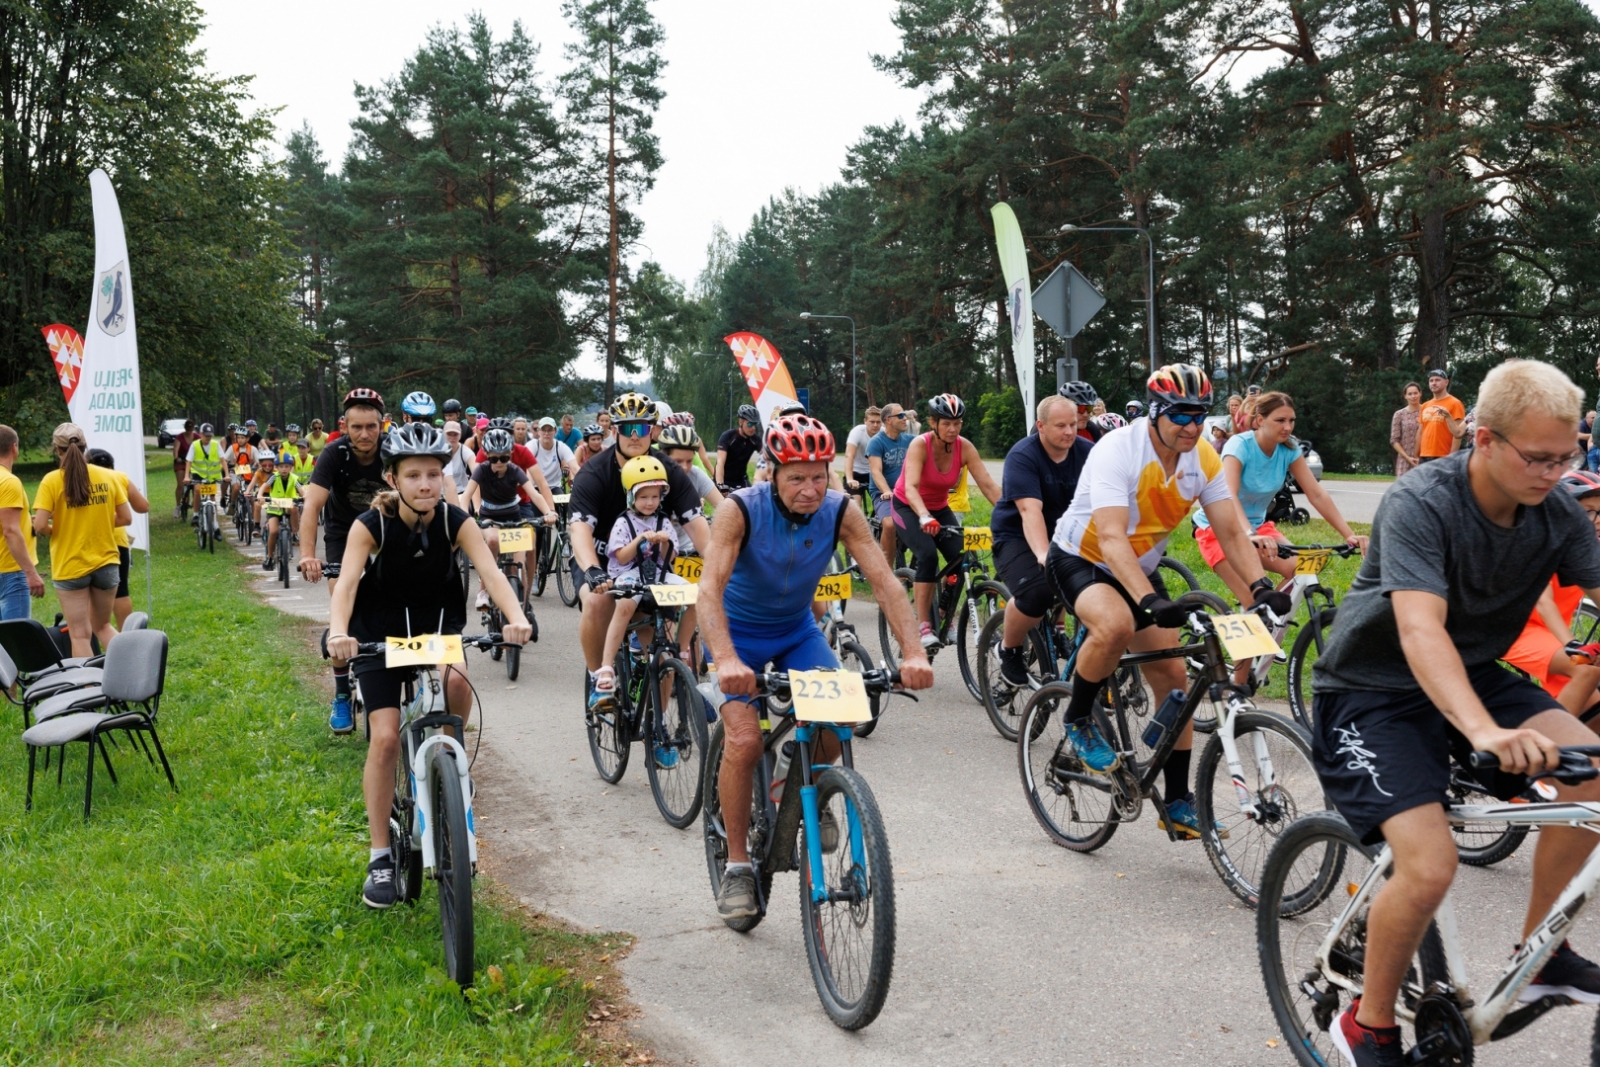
(925, 550)
(1381, 754)
(1029, 584)
(333, 551)
(1071, 575)
(381, 687)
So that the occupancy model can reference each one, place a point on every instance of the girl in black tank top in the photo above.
(411, 581)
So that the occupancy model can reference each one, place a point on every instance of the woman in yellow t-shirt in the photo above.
(316, 440)
(79, 507)
(123, 607)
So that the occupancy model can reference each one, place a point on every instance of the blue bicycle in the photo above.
(846, 884)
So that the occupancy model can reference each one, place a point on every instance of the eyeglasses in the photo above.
(1540, 468)
(634, 429)
(1594, 515)
(1184, 418)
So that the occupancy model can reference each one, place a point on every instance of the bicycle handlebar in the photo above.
(1575, 766)
(541, 520)
(481, 642)
(1291, 551)
(776, 683)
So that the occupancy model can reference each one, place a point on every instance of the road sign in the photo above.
(1067, 300)
(804, 396)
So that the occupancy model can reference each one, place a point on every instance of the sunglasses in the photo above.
(634, 429)
(1184, 418)
(499, 459)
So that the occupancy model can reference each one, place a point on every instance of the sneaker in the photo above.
(483, 600)
(1014, 667)
(1185, 820)
(1092, 748)
(666, 757)
(1565, 974)
(827, 831)
(1363, 1047)
(379, 892)
(177, 513)
(736, 899)
(929, 638)
(341, 721)
(266, 564)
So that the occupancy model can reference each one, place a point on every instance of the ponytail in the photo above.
(75, 475)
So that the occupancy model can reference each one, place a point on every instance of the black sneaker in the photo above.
(1363, 1047)
(1014, 667)
(1565, 974)
(379, 889)
(267, 563)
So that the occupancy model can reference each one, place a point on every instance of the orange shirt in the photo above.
(1436, 438)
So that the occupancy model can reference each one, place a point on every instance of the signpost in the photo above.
(1067, 301)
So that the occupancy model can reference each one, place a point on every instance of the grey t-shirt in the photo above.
(1429, 534)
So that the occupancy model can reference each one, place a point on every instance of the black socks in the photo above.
(1083, 694)
(1175, 776)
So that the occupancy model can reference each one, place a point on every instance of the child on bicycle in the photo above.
(280, 485)
(641, 547)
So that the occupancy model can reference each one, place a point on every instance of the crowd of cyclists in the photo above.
(1475, 561)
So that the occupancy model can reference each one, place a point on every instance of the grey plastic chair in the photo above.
(130, 693)
(28, 695)
(136, 620)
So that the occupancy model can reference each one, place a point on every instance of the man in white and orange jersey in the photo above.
(1137, 485)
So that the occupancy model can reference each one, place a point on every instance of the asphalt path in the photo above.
(1010, 950)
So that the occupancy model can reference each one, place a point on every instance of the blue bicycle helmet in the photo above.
(418, 405)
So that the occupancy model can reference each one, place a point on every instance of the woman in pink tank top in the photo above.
(922, 514)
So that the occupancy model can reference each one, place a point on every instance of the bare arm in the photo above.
(980, 472)
(1546, 607)
(1033, 528)
(41, 522)
(583, 547)
(11, 526)
(543, 499)
(884, 488)
(137, 500)
(722, 462)
(124, 515)
(316, 497)
(356, 548)
(915, 671)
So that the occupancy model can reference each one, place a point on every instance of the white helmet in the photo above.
(662, 411)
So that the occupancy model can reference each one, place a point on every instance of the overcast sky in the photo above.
(760, 94)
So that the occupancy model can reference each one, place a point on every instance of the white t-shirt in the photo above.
(702, 485)
(1123, 470)
(861, 466)
(457, 469)
(552, 461)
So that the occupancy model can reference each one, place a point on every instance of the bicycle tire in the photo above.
(283, 553)
(989, 595)
(407, 853)
(1478, 845)
(711, 822)
(886, 638)
(1239, 858)
(564, 581)
(1191, 583)
(1283, 903)
(1041, 740)
(676, 781)
(1003, 703)
(1313, 635)
(1586, 623)
(541, 565)
(452, 859)
(853, 656)
(852, 991)
(609, 744)
(513, 652)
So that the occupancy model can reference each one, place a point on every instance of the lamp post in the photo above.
(1150, 264)
(808, 317)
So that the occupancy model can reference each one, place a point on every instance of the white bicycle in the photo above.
(1311, 932)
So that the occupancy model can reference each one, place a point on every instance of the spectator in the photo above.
(886, 453)
(1235, 402)
(317, 439)
(1443, 419)
(604, 419)
(1586, 436)
(1405, 428)
(19, 577)
(180, 457)
(569, 434)
(79, 508)
(122, 607)
(855, 450)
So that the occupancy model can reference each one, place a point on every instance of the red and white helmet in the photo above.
(1580, 483)
(799, 439)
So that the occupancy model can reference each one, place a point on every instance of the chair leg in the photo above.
(88, 779)
(100, 742)
(138, 737)
(61, 765)
(31, 751)
(162, 753)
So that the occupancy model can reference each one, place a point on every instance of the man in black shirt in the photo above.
(348, 474)
(1040, 476)
(598, 500)
(735, 448)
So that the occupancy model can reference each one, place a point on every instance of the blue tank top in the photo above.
(775, 577)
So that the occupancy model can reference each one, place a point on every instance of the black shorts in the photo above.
(333, 551)
(1029, 584)
(925, 550)
(124, 560)
(1380, 754)
(1071, 575)
(381, 687)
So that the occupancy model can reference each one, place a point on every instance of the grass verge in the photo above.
(223, 924)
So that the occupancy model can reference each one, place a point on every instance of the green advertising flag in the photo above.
(1019, 302)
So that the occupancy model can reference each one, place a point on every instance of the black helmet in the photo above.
(414, 439)
(1080, 393)
(205, 428)
(946, 406)
(451, 406)
(749, 413)
(497, 441)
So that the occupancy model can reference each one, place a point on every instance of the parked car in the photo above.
(168, 432)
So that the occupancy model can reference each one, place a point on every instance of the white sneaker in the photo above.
(482, 601)
(929, 638)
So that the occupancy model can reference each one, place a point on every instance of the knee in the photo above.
(384, 745)
(741, 744)
(1428, 875)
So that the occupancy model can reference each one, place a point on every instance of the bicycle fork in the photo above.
(1234, 704)
(422, 771)
(809, 810)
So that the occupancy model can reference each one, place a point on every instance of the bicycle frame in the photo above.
(421, 731)
(803, 734)
(1498, 1015)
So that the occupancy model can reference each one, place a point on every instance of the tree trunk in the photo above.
(1432, 335)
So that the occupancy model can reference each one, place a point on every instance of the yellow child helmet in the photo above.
(634, 407)
(641, 472)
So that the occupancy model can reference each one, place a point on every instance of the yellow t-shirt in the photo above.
(960, 503)
(122, 531)
(85, 538)
(12, 495)
(317, 442)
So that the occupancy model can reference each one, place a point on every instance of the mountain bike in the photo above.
(847, 894)
(1254, 777)
(835, 589)
(1305, 588)
(286, 509)
(431, 828)
(244, 521)
(1311, 932)
(964, 598)
(207, 530)
(514, 539)
(656, 703)
(555, 556)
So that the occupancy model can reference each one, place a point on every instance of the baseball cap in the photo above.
(483, 423)
(547, 422)
(452, 427)
(1438, 373)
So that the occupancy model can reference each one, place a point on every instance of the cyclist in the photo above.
(400, 556)
(1108, 421)
(255, 436)
(301, 463)
(205, 463)
(1040, 477)
(417, 407)
(497, 485)
(555, 459)
(686, 418)
(855, 453)
(1461, 551)
(348, 475)
(1545, 649)
(599, 498)
(594, 442)
(736, 447)
(281, 484)
(1083, 395)
(451, 410)
(1139, 483)
(922, 514)
(180, 463)
(459, 469)
(523, 457)
(886, 453)
(767, 554)
(317, 439)
(1133, 410)
(241, 460)
(680, 443)
(291, 442)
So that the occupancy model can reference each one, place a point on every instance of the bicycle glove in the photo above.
(930, 526)
(1275, 600)
(596, 577)
(1590, 652)
(1165, 613)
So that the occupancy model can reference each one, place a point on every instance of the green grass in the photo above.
(223, 923)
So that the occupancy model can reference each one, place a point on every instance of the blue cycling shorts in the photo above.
(805, 648)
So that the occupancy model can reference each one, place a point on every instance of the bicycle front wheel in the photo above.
(1276, 768)
(565, 585)
(1072, 803)
(892, 656)
(983, 601)
(1003, 702)
(452, 860)
(1308, 645)
(849, 931)
(1481, 844)
(675, 744)
(514, 652)
(543, 562)
(854, 658)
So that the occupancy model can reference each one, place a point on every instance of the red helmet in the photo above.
(1580, 483)
(358, 395)
(799, 439)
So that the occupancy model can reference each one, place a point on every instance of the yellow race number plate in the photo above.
(516, 539)
(675, 596)
(688, 567)
(207, 488)
(1245, 636)
(829, 696)
(283, 503)
(427, 650)
(976, 539)
(1312, 562)
(833, 587)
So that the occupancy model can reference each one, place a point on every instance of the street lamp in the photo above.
(1150, 292)
(808, 317)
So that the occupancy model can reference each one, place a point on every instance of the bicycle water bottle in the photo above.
(1165, 718)
(780, 771)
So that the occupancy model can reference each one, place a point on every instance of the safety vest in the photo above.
(207, 466)
(282, 485)
(303, 466)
